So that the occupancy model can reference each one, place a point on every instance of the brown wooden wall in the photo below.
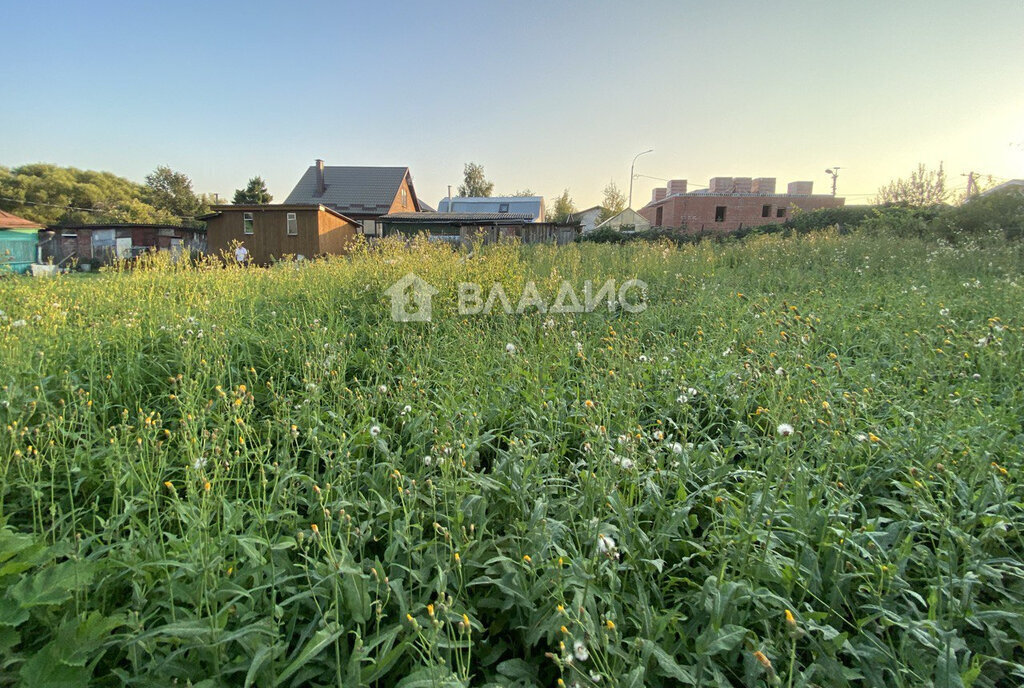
(336, 235)
(396, 203)
(319, 232)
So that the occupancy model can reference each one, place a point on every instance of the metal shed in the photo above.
(19, 242)
(18, 249)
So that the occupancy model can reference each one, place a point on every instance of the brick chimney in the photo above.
(320, 186)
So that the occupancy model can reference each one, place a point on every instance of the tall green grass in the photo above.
(220, 476)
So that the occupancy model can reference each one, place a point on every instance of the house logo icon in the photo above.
(410, 299)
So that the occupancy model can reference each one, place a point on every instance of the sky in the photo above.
(545, 95)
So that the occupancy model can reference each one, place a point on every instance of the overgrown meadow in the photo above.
(799, 466)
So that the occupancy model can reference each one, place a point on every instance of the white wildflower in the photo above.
(785, 429)
(427, 460)
(510, 348)
(780, 371)
(676, 448)
(375, 431)
(627, 463)
(579, 649)
(199, 464)
(406, 409)
(605, 544)
(382, 389)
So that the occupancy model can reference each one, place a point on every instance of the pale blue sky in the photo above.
(546, 95)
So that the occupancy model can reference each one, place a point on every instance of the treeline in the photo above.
(55, 195)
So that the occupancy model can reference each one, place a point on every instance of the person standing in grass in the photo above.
(242, 255)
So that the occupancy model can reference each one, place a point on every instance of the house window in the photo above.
(503, 207)
(293, 225)
(719, 213)
(247, 223)
(659, 216)
(405, 198)
(781, 212)
(766, 211)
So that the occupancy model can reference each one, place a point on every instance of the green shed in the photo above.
(19, 241)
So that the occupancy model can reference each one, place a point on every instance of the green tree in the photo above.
(613, 204)
(54, 195)
(562, 208)
(923, 188)
(523, 193)
(255, 193)
(172, 192)
(475, 184)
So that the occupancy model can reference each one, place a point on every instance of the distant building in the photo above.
(271, 232)
(104, 242)
(1011, 185)
(627, 220)
(587, 218)
(359, 193)
(531, 205)
(19, 242)
(731, 203)
(464, 228)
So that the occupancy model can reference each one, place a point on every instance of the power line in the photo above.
(19, 201)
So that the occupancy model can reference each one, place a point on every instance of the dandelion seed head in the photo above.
(605, 543)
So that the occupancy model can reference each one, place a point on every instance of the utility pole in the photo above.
(834, 171)
(631, 166)
(971, 184)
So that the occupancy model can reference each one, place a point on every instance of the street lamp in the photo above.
(834, 171)
(631, 166)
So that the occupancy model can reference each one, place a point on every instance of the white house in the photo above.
(587, 218)
(628, 219)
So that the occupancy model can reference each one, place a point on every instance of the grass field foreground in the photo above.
(800, 465)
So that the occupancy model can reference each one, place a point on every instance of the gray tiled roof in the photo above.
(351, 189)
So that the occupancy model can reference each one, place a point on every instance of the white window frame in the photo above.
(291, 224)
(248, 224)
(405, 198)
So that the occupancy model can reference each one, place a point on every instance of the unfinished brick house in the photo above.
(731, 203)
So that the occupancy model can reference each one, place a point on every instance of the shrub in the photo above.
(997, 212)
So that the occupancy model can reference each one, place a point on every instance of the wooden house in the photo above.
(363, 194)
(272, 232)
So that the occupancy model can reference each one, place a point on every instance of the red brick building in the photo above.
(731, 203)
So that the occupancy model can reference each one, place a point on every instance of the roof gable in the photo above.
(351, 189)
